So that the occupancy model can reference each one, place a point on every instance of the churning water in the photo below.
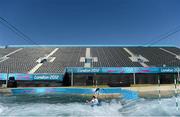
(58, 105)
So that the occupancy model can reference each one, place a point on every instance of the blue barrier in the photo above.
(126, 94)
(82, 70)
(20, 76)
(122, 70)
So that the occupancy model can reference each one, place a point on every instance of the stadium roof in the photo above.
(26, 46)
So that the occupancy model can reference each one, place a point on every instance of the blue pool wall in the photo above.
(126, 94)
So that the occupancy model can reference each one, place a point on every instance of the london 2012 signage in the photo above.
(169, 69)
(19, 76)
(82, 70)
(121, 70)
(92, 70)
(47, 77)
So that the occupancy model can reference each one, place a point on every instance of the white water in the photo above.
(32, 106)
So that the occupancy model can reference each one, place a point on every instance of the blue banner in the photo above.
(18, 76)
(169, 69)
(3, 76)
(121, 70)
(48, 77)
(82, 70)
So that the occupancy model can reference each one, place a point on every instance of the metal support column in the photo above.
(134, 78)
(175, 91)
(95, 80)
(7, 78)
(178, 78)
(159, 91)
(72, 79)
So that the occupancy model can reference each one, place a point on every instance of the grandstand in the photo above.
(89, 65)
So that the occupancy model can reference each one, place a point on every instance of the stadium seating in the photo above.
(173, 49)
(112, 57)
(156, 56)
(25, 59)
(5, 51)
(65, 57)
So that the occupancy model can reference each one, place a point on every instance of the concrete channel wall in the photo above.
(116, 92)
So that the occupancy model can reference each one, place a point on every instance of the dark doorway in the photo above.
(89, 80)
(67, 80)
(166, 78)
(12, 83)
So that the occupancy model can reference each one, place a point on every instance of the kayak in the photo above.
(93, 105)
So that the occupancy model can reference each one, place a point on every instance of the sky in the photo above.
(100, 22)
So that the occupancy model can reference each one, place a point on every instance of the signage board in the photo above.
(18, 76)
(48, 77)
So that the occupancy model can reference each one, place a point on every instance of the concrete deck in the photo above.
(152, 91)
